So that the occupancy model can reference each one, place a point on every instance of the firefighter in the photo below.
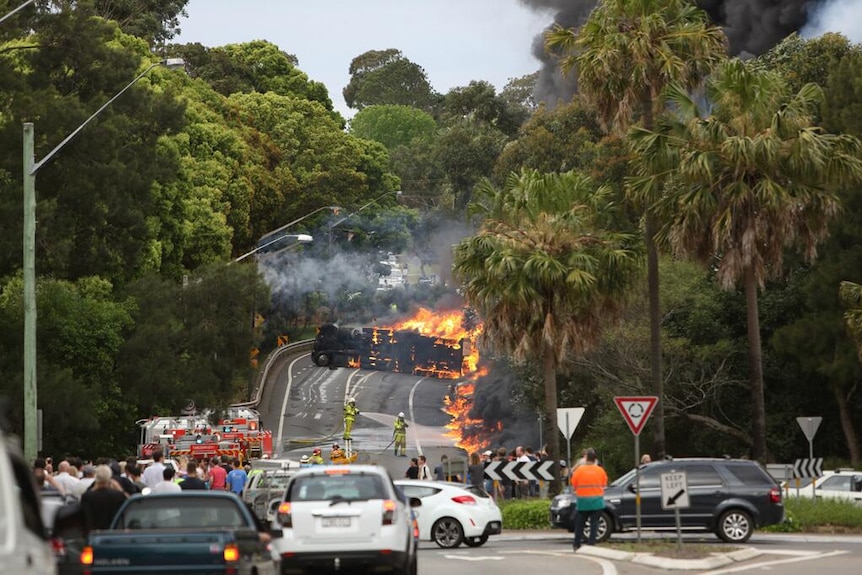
(350, 413)
(400, 435)
(316, 458)
(336, 454)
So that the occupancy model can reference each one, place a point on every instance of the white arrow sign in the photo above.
(509, 470)
(545, 470)
(524, 470)
(491, 470)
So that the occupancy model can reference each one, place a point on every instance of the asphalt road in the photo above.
(303, 406)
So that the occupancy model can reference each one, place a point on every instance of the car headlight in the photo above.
(564, 501)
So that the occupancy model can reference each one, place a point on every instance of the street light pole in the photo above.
(348, 216)
(13, 12)
(31, 167)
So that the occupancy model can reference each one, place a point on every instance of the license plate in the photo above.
(335, 521)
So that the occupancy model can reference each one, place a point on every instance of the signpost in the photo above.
(809, 427)
(568, 419)
(636, 411)
(674, 495)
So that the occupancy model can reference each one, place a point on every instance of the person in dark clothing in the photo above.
(126, 483)
(413, 470)
(476, 471)
(192, 481)
(101, 503)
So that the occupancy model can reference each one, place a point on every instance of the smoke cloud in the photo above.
(752, 27)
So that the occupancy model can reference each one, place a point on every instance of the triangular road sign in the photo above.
(636, 410)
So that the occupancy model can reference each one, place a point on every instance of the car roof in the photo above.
(346, 469)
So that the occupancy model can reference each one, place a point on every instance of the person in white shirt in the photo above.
(71, 484)
(89, 477)
(167, 485)
(424, 470)
(153, 474)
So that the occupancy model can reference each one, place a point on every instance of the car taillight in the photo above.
(775, 495)
(58, 546)
(465, 500)
(415, 529)
(87, 555)
(231, 553)
(388, 511)
(284, 517)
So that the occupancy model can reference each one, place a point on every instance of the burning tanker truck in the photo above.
(384, 349)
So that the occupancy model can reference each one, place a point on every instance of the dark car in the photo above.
(729, 497)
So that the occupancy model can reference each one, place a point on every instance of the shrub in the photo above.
(525, 513)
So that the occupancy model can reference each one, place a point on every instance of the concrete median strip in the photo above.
(714, 561)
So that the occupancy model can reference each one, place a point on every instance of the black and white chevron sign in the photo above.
(520, 470)
(808, 468)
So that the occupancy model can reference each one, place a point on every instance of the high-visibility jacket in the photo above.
(589, 482)
(350, 411)
(400, 426)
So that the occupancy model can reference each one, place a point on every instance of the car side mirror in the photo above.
(632, 487)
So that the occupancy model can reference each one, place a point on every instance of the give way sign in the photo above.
(636, 410)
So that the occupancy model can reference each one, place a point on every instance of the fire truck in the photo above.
(239, 434)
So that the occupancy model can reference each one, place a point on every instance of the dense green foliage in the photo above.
(185, 171)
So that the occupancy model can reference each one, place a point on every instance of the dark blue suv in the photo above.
(729, 497)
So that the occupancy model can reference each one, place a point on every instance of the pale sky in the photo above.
(455, 41)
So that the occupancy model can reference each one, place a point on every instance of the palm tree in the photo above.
(743, 184)
(851, 298)
(546, 271)
(625, 54)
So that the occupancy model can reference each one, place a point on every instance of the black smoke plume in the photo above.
(752, 27)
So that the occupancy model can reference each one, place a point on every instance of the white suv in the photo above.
(345, 518)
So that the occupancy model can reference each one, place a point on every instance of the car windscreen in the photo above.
(179, 512)
(348, 486)
(623, 479)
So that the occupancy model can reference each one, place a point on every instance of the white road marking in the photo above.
(284, 401)
(412, 416)
(753, 566)
(473, 558)
(608, 568)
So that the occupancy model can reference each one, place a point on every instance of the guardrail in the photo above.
(271, 358)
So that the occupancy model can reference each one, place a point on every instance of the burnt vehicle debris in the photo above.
(382, 349)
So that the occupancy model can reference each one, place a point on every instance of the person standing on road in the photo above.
(588, 483)
(350, 413)
(154, 472)
(218, 476)
(316, 458)
(413, 471)
(400, 435)
(237, 477)
(100, 503)
(192, 480)
(476, 471)
(424, 470)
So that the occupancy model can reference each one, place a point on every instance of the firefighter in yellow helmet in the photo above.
(400, 435)
(350, 413)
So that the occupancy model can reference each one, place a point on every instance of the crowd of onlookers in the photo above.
(100, 487)
(505, 488)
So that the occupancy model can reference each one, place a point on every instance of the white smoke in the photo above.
(844, 16)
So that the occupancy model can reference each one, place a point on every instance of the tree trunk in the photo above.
(552, 435)
(755, 368)
(847, 427)
(659, 447)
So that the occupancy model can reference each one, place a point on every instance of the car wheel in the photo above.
(447, 533)
(603, 533)
(321, 359)
(735, 526)
(476, 541)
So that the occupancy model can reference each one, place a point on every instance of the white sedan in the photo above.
(453, 513)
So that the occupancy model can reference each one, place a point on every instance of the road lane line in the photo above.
(608, 568)
(284, 401)
(760, 565)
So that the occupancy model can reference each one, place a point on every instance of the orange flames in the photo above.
(448, 326)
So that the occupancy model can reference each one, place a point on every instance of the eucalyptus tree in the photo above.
(625, 54)
(547, 271)
(744, 183)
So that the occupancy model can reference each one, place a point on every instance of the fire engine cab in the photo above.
(239, 434)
